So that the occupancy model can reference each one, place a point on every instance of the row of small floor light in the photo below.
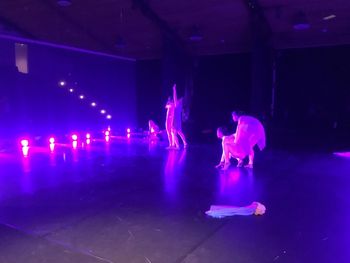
(25, 143)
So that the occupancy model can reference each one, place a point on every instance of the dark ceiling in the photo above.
(225, 25)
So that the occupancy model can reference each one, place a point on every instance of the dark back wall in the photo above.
(312, 95)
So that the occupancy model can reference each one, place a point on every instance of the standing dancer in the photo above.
(177, 123)
(170, 107)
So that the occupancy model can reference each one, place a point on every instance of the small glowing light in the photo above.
(81, 97)
(75, 144)
(152, 130)
(329, 17)
(107, 133)
(52, 140)
(24, 143)
(88, 136)
(109, 128)
(71, 90)
(88, 141)
(103, 111)
(93, 104)
(25, 151)
(62, 83)
(109, 117)
(128, 130)
(128, 135)
(52, 147)
(74, 137)
(107, 138)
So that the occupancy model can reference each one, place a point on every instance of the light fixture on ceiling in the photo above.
(64, 2)
(300, 21)
(329, 17)
(195, 35)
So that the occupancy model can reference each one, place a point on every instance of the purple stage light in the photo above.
(62, 83)
(88, 136)
(24, 143)
(71, 90)
(103, 111)
(88, 141)
(109, 117)
(93, 104)
(81, 97)
(107, 138)
(107, 133)
(128, 135)
(52, 140)
(109, 128)
(128, 130)
(74, 137)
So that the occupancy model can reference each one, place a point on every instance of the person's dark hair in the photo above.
(238, 113)
(223, 130)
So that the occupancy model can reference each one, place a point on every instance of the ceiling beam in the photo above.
(260, 26)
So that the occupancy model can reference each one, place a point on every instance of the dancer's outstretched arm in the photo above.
(175, 95)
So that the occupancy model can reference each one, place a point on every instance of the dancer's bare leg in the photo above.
(251, 159)
(231, 149)
(175, 139)
(239, 162)
(228, 148)
(170, 135)
(183, 138)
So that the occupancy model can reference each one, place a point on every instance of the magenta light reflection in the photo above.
(107, 138)
(75, 144)
(52, 147)
(342, 154)
(25, 151)
(88, 141)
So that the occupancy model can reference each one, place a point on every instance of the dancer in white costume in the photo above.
(177, 122)
(249, 132)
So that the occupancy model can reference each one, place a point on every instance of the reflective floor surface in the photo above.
(131, 202)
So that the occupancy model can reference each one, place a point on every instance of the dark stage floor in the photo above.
(129, 203)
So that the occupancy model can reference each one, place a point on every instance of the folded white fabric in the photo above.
(220, 211)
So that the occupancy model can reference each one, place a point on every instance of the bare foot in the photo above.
(220, 165)
(225, 167)
(240, 164)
